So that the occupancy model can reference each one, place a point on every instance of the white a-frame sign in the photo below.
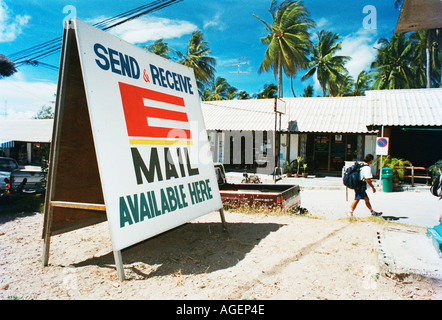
(129, 143)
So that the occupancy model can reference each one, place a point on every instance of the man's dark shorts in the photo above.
(360, 192)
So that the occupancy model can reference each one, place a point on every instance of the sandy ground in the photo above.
(259, 257)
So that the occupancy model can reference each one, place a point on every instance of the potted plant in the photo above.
(298, 162)
(304, 174)
(398, 167)
(288, 169)
(436, 168)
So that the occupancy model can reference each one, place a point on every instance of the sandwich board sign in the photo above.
(129, 143)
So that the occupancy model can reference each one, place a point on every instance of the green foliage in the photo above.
(288, 41)
(436, 169)
(327, 65)
(397, 165)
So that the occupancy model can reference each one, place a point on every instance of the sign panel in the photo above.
(150, 140)
(382, 146)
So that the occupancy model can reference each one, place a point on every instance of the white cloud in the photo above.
(10, 28)
(21, 99)
(360, 47)
(151, 28)
(215, 22)
(321, 23)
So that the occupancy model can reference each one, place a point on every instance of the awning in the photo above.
(420, 15)
(36, 130)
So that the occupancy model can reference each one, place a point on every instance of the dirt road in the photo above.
(259, 257)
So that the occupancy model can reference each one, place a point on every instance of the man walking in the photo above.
(360, 192)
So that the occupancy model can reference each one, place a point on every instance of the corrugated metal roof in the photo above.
(343, 115)
(253, 114)
(414, 107)
(36, 130)
(411, 107)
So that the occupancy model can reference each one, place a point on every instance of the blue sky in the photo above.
(228, 26)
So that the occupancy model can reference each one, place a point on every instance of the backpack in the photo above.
(436, 187)
(352, 176)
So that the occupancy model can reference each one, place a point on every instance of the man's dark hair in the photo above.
(368, 158)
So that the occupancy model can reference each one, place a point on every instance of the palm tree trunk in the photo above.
(428, 59)
(291, 85)
(279, 76)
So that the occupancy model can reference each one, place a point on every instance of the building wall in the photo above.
(323, 152)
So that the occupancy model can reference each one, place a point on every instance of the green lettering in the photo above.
(133, 205)
(173, 201)
(153, 204)
(124, 213)
(178, 198)
(198, 191)
(164, 203)
(209, 189)
(203, 190)
(192, 192)
(183, 195)
(144, 208)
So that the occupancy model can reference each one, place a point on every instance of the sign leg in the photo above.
(119, 264)
(223, 219)
(46, 245)
(47, 233)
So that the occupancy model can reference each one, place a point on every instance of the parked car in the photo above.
(15, 178)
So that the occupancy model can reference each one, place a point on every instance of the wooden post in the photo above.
(412, 176)
(119, 264)
(223, 219)
(46, 246)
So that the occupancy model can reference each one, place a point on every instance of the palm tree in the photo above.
(160, 48)
(198, 58)
(308, 91)
(362, 83)
(232, 93)
(432, 65)
(329, 68)
(288, 39)
(270, 92)
(206, 94)
(343, 87)
(243, 95)
(426, 51)
(218, 90)
(7, 67)
(392, 64)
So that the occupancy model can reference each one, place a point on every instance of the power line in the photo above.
(30, 55)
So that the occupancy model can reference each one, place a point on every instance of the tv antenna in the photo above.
(240, 61)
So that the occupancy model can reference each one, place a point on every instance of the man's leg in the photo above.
(353, 207)
(368, 204)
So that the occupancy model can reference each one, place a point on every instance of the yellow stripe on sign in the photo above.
(161, 142)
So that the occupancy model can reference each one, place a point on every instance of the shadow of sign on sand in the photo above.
(193, 248)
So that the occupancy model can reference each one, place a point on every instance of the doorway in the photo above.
(327, 152)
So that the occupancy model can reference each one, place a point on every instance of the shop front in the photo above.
(327, 152)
